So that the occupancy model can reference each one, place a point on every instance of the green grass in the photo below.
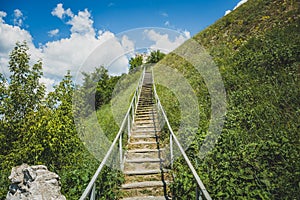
(256, 49)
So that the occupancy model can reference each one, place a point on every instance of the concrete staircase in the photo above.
(145, 175)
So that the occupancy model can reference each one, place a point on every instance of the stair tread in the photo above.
(145, 121)
(142, 160)
(146, 198)
(144, 126)
(143, 136)
(141, 172)
(142, 130)
(144, 150)
(142, 142)
(143, 184)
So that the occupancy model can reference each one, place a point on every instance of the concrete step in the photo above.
(146, 139)
(145, 155)
(143, 113)
(146, 107)
(136, 135)
(144, 184)
(145, 172)
(144, 126)
(142, 192)
(147, 121)
(146, 198)
(142, 145)
(148, 177)
(145, 118)
(145, 130)
(144, 150)
(145, 110)
(138, 114)
(144, 160)
(143, 103)
(143, 138)
(139, 136)
(143, 166)
(150, 110)
(137, 143)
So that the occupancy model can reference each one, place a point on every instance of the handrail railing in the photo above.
(174, 138)
(91, 188)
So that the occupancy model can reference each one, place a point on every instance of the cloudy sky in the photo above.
(65, 33)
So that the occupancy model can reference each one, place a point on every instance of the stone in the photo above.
(34, 183)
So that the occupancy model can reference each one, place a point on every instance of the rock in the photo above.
(34, 183)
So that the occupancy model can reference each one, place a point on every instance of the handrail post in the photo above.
(93, 193)
(132, 113)
(198, 193)
(171, 150)
(121, 152)
(128, 127)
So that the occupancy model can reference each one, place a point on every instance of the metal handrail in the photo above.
(173, 137)
(90, 189)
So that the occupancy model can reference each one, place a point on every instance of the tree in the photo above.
(96, 90)
(36, 129)
(155, 56)
(21, 95)
(24, 92)
(135, 62)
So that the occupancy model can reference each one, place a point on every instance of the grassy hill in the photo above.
(257, 50)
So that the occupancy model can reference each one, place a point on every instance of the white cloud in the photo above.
(164, 43)
(53, 33)
(127, 44)
(82, 23)
(9, 36)
(18, 13)
(238, 5)
(187, 34)
(104, 35)
(18, 17)
(67, 53)
(2, 15)
(227, 12)
(71, 53)
(60, 12)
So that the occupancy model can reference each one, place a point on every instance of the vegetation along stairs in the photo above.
(145, 177)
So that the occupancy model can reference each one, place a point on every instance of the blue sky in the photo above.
(118, 16)
(55, 28)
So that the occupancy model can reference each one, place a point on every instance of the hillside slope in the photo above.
(257, 50)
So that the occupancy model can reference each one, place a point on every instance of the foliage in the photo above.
(135, 62)
(36, 128)
(155, 56)
(256, 48)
